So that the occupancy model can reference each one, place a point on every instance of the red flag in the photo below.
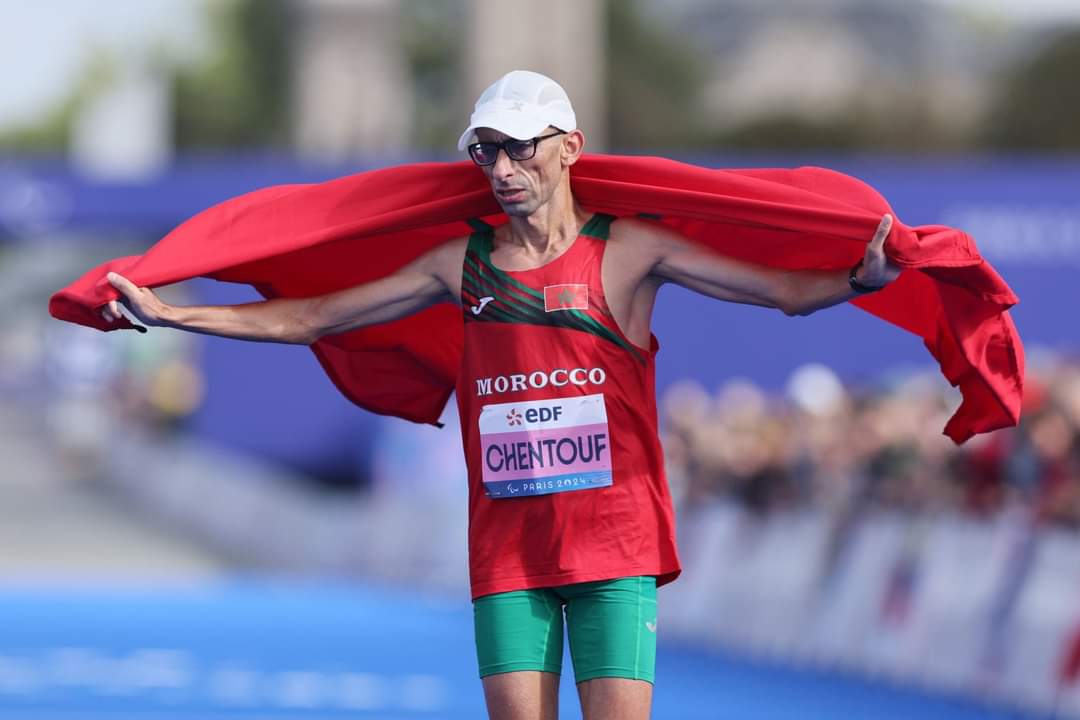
(303, 240)
(1069, 672)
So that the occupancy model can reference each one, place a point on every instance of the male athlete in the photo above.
(569, 511)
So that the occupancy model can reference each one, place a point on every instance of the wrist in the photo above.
(856, 285)
(170, 316)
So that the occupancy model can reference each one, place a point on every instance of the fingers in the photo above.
(122, 284)
(111, 311)
(877, 244)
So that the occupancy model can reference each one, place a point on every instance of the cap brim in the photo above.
(507, 122)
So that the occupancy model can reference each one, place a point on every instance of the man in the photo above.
(569, 510)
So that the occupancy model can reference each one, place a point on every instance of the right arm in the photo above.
(432, 278)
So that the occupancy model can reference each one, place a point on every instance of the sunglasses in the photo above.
(486, 153)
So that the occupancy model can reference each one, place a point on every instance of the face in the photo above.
(523, 186)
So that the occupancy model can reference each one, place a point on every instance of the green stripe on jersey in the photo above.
(523, 304)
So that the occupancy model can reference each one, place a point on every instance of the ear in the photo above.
(573, 144)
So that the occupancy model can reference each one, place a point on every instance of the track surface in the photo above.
(268, 649)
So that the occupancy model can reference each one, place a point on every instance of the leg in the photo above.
(612, 629)
(522, 695)
(615, 699)
(519, 647)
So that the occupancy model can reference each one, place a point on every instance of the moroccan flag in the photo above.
(571, 296)
(304, 240)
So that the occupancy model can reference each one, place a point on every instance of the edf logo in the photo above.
(543, 414)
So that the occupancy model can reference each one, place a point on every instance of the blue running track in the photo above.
(266, 650)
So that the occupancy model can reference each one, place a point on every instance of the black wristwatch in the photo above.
(858, 286)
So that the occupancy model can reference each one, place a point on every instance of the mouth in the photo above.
(510, 194)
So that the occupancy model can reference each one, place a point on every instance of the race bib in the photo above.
(545, 446)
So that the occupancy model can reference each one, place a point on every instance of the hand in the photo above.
(141, 302)
(876, 270)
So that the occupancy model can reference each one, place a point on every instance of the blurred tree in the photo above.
(907, 129)
(238, 94)
(431, 33)
(654, 82)
(52, 131)
(790, 132)
(1039, 106)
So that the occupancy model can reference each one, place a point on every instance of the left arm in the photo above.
(795, 292)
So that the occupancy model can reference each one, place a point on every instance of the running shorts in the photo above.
(611, 625)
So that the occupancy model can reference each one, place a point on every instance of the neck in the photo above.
(553, 224)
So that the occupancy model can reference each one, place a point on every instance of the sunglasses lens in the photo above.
(520, 149)
(483, 153)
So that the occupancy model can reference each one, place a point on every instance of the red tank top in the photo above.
(558, 421)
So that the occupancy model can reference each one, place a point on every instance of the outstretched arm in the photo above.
(794, 292)
(426, 281)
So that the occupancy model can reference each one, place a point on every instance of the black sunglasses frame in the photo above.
(505, 147)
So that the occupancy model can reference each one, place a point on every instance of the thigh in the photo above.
(518, 631)
(612, 628)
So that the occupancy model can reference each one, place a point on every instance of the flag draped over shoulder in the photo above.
(304, 240)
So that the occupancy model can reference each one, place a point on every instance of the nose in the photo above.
(503, 167)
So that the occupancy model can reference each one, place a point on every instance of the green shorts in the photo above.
(611, 625)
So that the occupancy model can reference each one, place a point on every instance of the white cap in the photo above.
(521, 104)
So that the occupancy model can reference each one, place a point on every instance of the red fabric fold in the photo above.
(303, 240)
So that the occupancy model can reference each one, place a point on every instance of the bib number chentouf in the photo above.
(545, 446)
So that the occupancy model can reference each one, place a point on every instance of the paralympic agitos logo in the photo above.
(537, 380)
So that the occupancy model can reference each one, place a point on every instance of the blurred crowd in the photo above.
(823, 444)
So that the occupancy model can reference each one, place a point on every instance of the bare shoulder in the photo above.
(445, 262)
(646, 236)
(639, 245)
(450, 249)
(444, 258)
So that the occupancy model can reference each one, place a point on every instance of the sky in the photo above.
(45, 43)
